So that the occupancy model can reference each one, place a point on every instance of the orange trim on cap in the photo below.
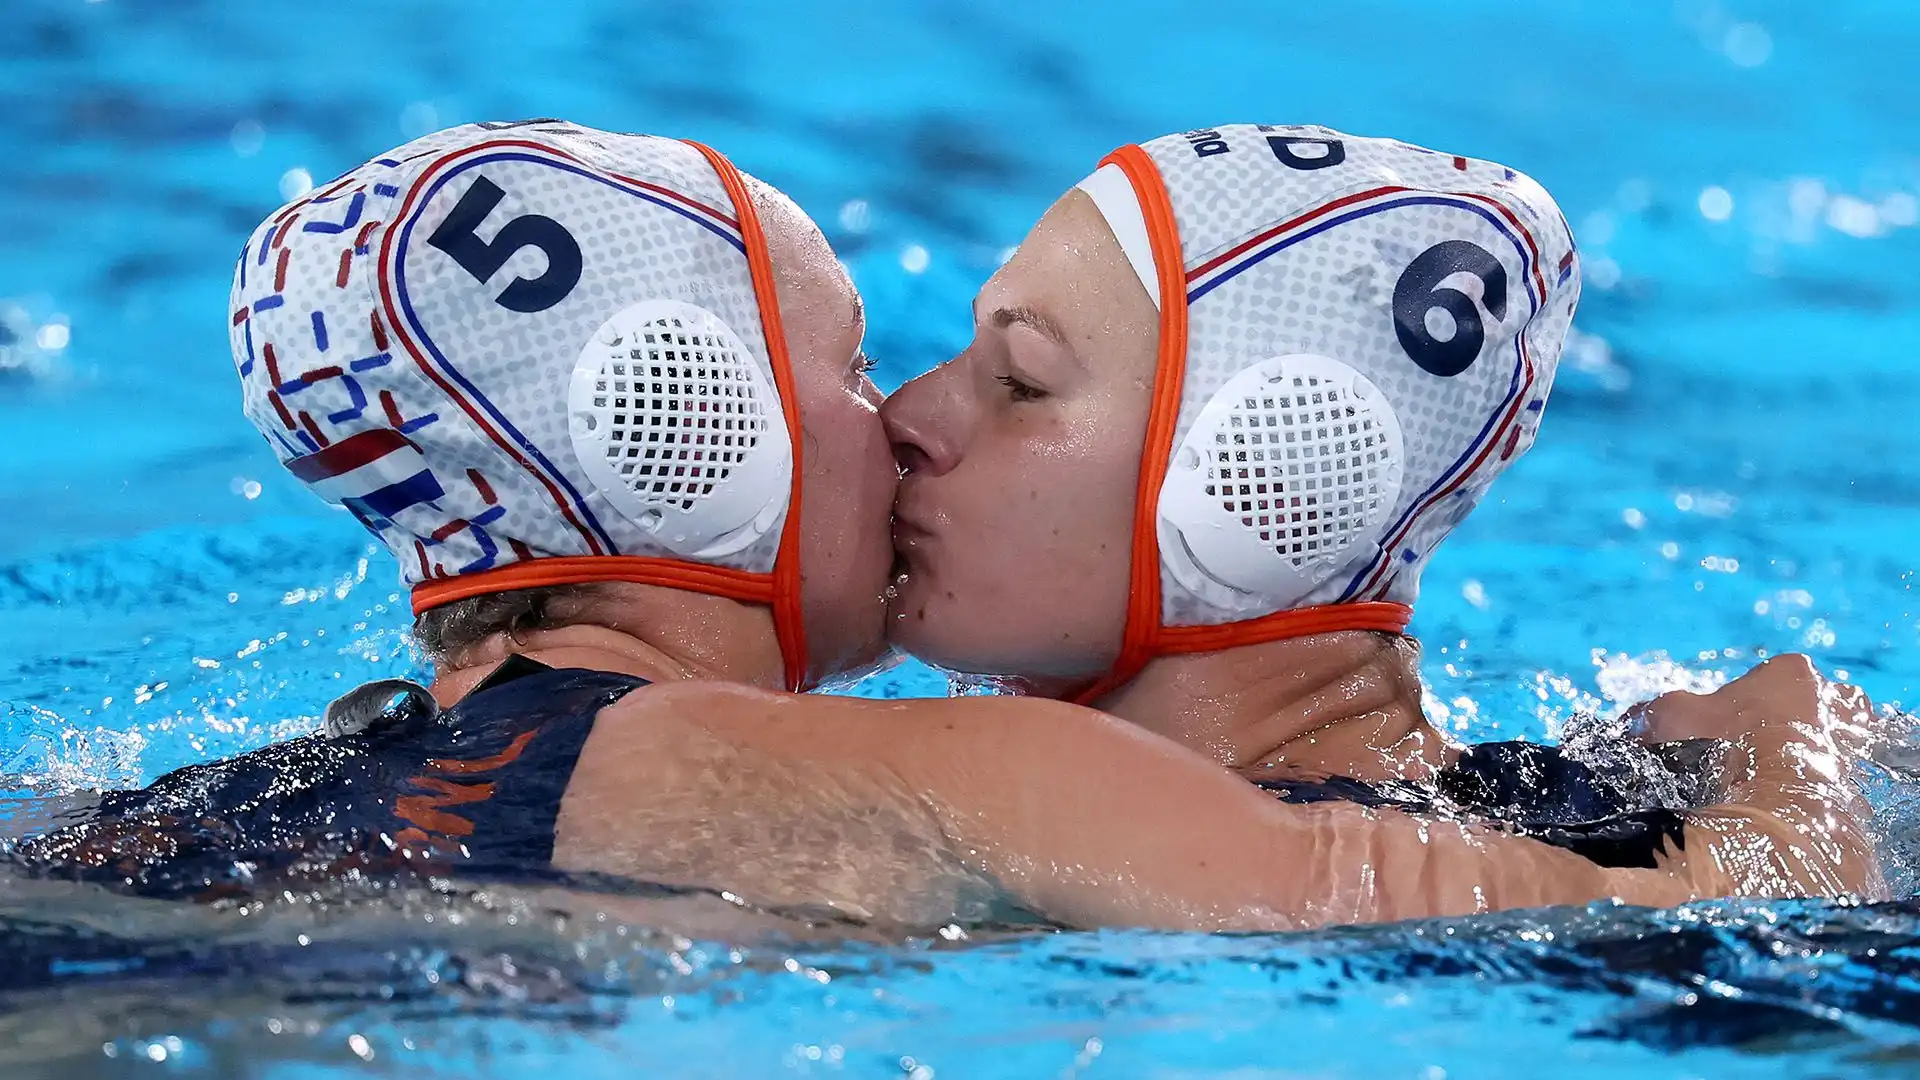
(721, 581)
(1143, 629)
(1281, 625)
(1145, 637)
(789, 623)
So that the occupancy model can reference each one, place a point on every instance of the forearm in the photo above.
(1101, 824)
(1080, 817)
(1792, 850)
(1792, 822)
(1074, 815)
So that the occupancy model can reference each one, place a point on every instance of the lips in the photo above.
(910, 543)
(906, 528)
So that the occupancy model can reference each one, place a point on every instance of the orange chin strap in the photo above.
(1145, 636)
(779, 589)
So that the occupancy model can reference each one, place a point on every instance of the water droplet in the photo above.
(295, 182)
(1748, 44)
(419, 118)
(1597, 229)
(1716, 203)
(1855, 217)
(1602, 273)
(247, 138)
(53, 337)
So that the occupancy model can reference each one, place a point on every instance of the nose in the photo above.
(926, 423)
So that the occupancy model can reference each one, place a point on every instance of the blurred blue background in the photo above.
(1726, 465)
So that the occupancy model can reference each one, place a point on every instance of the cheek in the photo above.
(1076, 484)
(1048, 512)
(850, 466)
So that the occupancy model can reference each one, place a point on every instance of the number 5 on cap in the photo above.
(459, 237)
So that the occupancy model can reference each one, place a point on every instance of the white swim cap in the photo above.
(535, 354)
(1356, 336)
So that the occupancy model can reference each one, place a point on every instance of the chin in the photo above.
(927, 626)
(916, 626)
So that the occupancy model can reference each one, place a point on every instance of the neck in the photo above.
(1340, 704)
(666, 635)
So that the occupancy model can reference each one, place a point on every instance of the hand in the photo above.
(1793, 739)
(1782, 698)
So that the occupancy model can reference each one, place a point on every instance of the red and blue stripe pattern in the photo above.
(441, 369)
(1502, 425)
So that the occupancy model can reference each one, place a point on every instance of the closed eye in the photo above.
(1020, 391)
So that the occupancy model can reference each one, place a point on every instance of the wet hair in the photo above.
(451, 629)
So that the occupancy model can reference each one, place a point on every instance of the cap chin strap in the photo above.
(779, 589)
(1145, 636)
(789, 624)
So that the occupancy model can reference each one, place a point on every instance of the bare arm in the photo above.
(1793, 822)
(909, 811)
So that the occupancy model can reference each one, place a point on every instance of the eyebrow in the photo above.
(1036, 321)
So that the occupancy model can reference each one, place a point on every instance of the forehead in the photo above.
(1072, 270)
(818, 303)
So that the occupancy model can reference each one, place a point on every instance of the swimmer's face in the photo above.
(848, 476)
(1014, 522)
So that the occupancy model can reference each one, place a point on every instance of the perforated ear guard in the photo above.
(1288, 474)
(680, 429)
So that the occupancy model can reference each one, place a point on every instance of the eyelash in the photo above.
(1020, 391)
(864, 364)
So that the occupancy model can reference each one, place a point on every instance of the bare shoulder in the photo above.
(710, 784)
(951, 745)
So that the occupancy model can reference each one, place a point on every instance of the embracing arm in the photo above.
(1793, 821)
(902, 810)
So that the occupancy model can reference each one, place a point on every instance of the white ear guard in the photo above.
(680, 429)
(1286, 478)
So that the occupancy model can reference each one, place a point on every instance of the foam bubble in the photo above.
(247, 138)
(1855, 217)
(53, 337)
(419, 118)
(295, 182)
(855, 215)
(1716, 203)
(1748, 44)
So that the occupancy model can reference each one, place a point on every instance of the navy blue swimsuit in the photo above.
(1535, 791)
(476, 787)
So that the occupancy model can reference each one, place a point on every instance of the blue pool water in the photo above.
(1727, 469)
